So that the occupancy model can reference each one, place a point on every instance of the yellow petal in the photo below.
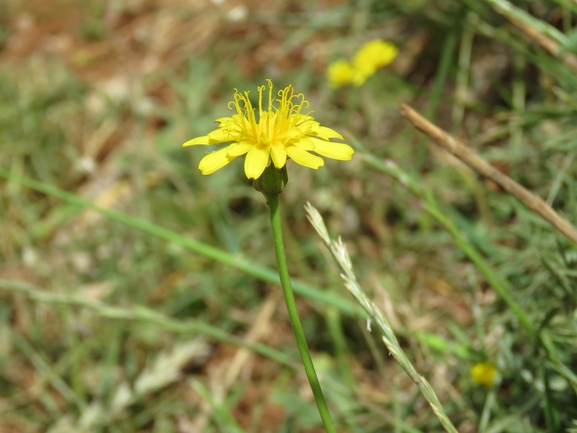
(278, 156)
(328, 133)
(290, 133)
(304, 143)
(221, 135)
(302, 157)
(237, 149)
(256, 161)
(308, 125)
(214, 161)
(340, 151)
(300, 118)
(198, 140)
(233, 123)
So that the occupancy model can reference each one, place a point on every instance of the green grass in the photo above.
(125, 317)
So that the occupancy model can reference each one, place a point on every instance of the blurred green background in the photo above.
(161, 312)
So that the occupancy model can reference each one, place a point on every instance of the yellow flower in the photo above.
(370, 57)
(280, 132)
(374, 54)
(483, 373)
(340, 73)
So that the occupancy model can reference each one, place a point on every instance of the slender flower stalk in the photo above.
(273, 203)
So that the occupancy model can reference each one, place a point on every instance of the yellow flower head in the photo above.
(340, 73)
(483, 373)
(279, 132)
(375, 54)
(370, 57)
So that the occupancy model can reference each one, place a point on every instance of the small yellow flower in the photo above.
(371, 56)
(375, 54)
(483, 373)
(279, 133)
(340, 73)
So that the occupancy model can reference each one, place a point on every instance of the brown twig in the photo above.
(470, 158)
(547, 43)
(533, 32)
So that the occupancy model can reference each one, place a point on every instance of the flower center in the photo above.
(275, 124)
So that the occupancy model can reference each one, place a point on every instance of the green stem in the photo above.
(273, 204)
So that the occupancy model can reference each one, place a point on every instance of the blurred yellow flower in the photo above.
(279, 132)
(375, 54)
(340, 73)
(483, 373)
(370, 57)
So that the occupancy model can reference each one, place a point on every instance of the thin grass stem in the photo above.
(141, 313)
(221, 415)
(341, 255)
(216, 254)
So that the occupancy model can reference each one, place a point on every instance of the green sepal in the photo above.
(272, 180)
